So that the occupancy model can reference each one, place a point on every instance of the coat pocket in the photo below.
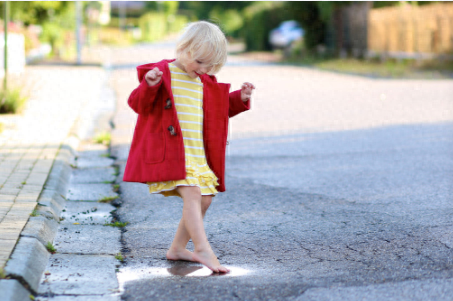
(155, 148)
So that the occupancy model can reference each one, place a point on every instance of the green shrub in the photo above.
(50, 247)
(156, 26)
(176, 23)
(260, 19)
(108, 199)
(113, 36)
(103, 138)
(12, 100)
(119, 257)
(117, 224)
(231, 20)
(153, 26)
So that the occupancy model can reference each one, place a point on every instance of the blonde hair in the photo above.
(204, 41)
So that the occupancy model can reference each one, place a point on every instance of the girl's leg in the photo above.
(178, 249)
(193, 222)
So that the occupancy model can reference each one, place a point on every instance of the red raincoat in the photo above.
(157, 149)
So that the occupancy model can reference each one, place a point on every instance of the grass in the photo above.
(2, 273)
(117, 171)
(12, 100)
(50, 247)
(34, 213)
(390, 68)
(108, 199)
(103, 138)
(119, 257)
(117, 224)
(116, 187)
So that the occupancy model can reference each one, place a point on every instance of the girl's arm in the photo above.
(240, 99)
(142, 98)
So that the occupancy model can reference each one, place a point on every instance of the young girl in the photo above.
(179, 142)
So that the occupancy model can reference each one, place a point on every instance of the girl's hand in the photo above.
(153, 76)
(246, 91)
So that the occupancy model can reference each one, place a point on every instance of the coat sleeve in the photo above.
(142, 98)
(236, 104)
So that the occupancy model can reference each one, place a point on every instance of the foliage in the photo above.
(203, 9)
(155, 26)
(119, 257)
(166, 7)
(170, 7)
(227, 14)
(58, 31)
(117, 224)
(230, 20)
(50, 247)
(103, 138)
(374, 67)
(130, 22)
(260, 19)
(12, 100)
(113, 36)
(108, 199)
(56, 18)
(38, 12)
(312, 16)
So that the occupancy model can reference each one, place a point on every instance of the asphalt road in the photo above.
(338, 187)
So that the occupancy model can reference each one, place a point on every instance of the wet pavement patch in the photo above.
(178, 269)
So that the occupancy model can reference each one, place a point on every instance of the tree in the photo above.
(37, 12)
(227, 14)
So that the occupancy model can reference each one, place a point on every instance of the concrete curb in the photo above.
(30, 256)
(27, 262)
(12, 290)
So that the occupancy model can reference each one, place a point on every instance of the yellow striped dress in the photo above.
(188, 96)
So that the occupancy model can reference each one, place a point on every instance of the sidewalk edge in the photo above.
(42, 229)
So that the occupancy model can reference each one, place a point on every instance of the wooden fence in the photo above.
(411, 31)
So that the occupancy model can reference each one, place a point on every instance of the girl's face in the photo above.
(195, 67)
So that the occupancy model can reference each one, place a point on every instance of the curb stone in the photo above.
(41, 232)
(27, 262)
(40, 228)
(29, 258)
(12, 290)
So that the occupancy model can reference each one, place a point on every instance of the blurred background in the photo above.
(383, 39)
(344, 35)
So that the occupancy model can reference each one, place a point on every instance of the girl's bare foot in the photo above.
(183, 254)
(209, 259)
